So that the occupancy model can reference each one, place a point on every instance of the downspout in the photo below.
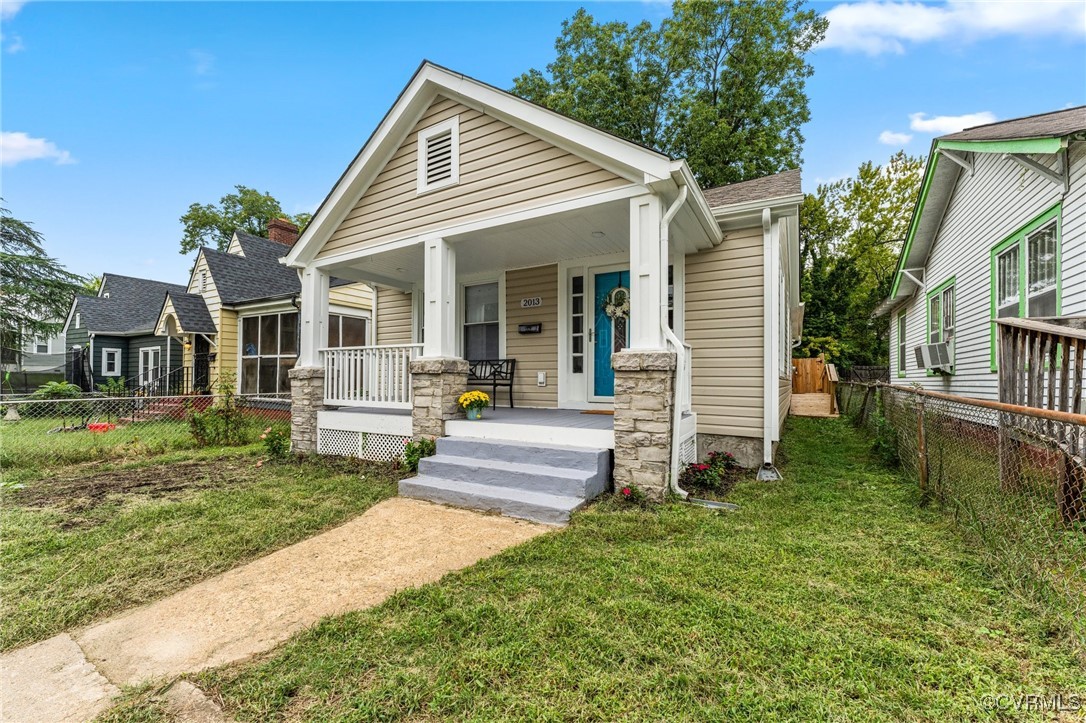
(680, 350)
(768, 472)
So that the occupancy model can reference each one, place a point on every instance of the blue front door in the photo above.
(612, 334)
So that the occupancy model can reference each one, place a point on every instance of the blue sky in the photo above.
(117, 116)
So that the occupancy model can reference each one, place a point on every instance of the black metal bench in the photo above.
(496, 373)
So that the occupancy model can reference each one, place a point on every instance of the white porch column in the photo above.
(648, 277)
(314, 316)
(439, 315)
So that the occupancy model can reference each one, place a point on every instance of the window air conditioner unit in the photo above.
(934, 358)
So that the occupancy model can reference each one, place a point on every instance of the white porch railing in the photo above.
(686, 380)
(375, 376)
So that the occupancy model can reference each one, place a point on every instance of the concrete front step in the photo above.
(529, 477)
(549, 455)
(537, 482)
(536, 506)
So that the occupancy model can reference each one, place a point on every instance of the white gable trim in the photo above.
(625, 159)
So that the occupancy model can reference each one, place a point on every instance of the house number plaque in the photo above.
(531, 303)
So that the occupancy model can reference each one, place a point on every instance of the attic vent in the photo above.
(439, 155)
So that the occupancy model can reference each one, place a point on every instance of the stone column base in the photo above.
(436, 385)
(644, 399)
(306, 399)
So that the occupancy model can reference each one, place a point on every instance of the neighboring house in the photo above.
(111, 336)
(999, 231)
(494, 229)
(238, 316)
(38, 354)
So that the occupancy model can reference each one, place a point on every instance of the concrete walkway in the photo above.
(394, 545)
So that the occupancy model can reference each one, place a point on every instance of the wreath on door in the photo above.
(617, 305)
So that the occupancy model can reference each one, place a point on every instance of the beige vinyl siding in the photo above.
(358, 296)
(724, 327)
(226, 353)
(393, 316)
(501, 168)
(534, 352)
(784, 399)
(225, 346)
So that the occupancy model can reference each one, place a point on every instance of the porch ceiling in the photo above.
(563, 236)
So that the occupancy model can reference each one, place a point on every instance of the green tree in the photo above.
(851, 233)
(210, 224)
(35, 289)
(722, 84)
(91, 285)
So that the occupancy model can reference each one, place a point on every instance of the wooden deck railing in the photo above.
(1041, 363)
(373, 376)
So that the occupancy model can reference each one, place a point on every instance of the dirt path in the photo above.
(396, 544)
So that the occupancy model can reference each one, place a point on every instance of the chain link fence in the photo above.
(1012, 477)
(37, 435)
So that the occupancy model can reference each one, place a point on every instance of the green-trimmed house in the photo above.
(999, 230)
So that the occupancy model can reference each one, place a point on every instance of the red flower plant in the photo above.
(626, 491)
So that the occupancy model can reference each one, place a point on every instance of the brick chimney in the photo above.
(282, 231)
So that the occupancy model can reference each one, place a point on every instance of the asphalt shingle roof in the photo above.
(256, 275)
(778, 185)
(132, 305)
(1056, 124)
(192, 313)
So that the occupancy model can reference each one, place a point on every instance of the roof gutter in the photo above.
(680, 348)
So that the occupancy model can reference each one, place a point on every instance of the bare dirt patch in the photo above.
(86, 490)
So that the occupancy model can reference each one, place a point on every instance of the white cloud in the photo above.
(941, 124)
(9, 8)
(893, 138)
(18, 147)
(875, 28)
(203, 62)
(14, 44)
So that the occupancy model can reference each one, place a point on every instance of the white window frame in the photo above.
(106, 353)
(276, 311)
(77, 320)
(451, 126)
(1016, 249)
(461, 310)
(39, 343)
(354, 314)
(902, 350)
(148, 351)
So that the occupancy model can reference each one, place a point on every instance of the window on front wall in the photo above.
(269, 350)
(481, 322)
(346, 331)
(41, 347)
(111, 362)
(577, 325)
(1007, 283)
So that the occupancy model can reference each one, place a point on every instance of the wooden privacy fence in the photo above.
(814, 387)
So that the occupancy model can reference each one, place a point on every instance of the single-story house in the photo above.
(998, 231)
(647, 318)
(237, 319)
(111, 336)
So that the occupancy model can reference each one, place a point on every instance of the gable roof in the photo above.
(191, 312)
(1055, 124)
(1041, 134)
(625, 159)
(126, 305)
(779, 185)
(257, 275)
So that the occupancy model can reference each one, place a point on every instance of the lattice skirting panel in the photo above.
(366, 445)
(688, 449)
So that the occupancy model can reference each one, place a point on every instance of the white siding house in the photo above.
(999, 230)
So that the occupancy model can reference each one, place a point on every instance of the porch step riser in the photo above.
(528, 506)
(575, 483)
(588, 460)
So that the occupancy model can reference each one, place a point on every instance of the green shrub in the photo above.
(414, 451)
(276, 439)
(58, 390)
(714, 474)
(113, 387)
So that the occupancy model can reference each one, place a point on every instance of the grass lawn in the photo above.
(829, 596)
(91, 540)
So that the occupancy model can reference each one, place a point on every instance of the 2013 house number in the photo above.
(531, 303)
